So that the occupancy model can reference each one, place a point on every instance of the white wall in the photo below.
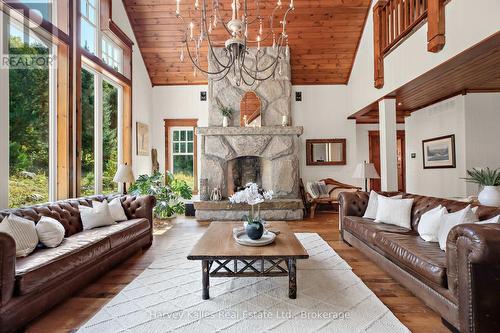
(322, 113)
(176, 102)
(482, 117)
(142, 91)
(444, 118)
(474, 119)
(467, 23)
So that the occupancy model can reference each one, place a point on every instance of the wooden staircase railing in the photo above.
(393, 20)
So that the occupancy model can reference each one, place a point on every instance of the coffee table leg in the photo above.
(205, 278)
(292, 278)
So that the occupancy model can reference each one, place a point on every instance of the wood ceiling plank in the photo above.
(323, 38)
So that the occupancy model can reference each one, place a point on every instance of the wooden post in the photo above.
(435, 25)
(378, 43)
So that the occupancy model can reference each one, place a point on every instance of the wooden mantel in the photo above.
(394, 20)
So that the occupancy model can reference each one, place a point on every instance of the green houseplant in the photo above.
(167, 190)
(489, 180)
(226, 113)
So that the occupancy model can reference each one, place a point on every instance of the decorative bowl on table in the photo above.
(241, 237)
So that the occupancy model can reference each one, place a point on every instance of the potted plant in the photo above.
(253, 196)
(167, 190)
(490, 181)
(226, 113)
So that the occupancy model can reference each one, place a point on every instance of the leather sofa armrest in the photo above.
(139, 207)
(473, 256)
(352, 204)
(7, 267)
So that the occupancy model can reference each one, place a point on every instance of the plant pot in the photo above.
(225, 121)
(490, 196)
(254, 230)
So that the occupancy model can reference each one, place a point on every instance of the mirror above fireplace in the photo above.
(326, 151)
(250, 107)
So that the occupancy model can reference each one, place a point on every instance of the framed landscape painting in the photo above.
(439, 152)
(142, 139)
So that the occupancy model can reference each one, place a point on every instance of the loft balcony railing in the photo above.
(393, 20)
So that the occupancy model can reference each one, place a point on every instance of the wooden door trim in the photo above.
(400, 134)
(191, 122)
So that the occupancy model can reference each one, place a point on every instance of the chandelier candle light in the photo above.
(237, 48)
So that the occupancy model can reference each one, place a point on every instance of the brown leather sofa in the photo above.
(31, 285)
(461, 284)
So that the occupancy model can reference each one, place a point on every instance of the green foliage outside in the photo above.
(87, 182)
(28, 129)
(168, 190)
(110, 136)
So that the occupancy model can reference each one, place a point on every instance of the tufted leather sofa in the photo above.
(31, 285)
(461, 284)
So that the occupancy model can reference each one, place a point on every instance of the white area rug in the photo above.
(166, 297)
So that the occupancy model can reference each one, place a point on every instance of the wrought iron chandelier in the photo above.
(241, 53)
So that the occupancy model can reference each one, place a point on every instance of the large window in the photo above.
(101, 133)
(89, 25)
(31, 111)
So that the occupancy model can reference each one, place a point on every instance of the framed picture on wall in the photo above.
(439, 152)
(142, 139)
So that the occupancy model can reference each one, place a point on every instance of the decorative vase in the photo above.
(490, 196)
(225, 121)
(204, 190)
(254, 230)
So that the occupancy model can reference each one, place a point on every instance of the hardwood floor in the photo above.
(68, 316)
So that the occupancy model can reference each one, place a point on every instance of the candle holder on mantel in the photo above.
(284, 121)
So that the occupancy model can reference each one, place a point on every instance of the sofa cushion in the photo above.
(124, 232)
(414, 254)
(366, 229)
(45, 265)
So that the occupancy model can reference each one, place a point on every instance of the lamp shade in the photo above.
(365, 171)
(124, 174)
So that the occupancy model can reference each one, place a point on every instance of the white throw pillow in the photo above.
(428, 227)
(394, 211)
(371, 209)
(450, 220)
(115, 208)
(50, 231)
(93, 217)
(23, 231)
(495, 219)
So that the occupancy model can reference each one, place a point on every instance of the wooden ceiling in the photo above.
(476, 69)
(323, 34)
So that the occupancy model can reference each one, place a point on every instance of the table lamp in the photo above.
(124, 175)
(365, 171)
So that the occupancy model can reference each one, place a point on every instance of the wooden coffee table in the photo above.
(220, 254)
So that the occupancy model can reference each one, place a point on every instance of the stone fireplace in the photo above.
(268, 155)
(233, 156)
